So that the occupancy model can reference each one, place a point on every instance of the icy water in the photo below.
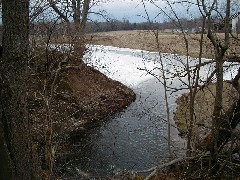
(136, 138)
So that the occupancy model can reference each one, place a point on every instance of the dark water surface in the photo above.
(133, 140)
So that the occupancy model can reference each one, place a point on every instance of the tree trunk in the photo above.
(4, 164)
(219, 50)
(80, 10)
(14, 75)
(216, 120)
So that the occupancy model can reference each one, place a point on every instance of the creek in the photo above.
(135, 139)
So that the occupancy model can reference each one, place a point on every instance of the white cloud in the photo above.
(134, 11)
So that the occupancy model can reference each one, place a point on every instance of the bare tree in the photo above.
(14, 89)
(77, 10)
(220, 49)
(192, 83)
(223, 121)
(162, 78)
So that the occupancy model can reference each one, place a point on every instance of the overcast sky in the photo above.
(137, 11)
(133, 10)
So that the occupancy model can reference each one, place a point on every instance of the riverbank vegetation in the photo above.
(203, 108)
(50, 98)
(208, 113)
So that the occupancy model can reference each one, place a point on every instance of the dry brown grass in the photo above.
(204, 103)
(169, 42)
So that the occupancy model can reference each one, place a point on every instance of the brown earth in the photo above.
(68, 100)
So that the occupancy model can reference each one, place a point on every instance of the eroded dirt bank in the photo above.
(69, 99)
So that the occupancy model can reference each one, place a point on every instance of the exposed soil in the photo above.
(66, 100)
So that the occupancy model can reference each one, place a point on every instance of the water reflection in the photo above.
(136, 138)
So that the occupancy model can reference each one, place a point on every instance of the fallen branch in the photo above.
(154, 170)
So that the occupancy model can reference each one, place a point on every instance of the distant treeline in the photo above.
(186, 25)
(60, 29)
(116, 25)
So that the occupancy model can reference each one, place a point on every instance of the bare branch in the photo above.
(85, 10)
(53, 5)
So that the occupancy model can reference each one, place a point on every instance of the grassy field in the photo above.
(168, 42)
